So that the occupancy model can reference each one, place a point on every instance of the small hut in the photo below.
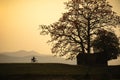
(96, 59)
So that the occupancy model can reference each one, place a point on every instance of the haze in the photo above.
(20, 20)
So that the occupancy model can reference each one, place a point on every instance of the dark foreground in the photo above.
(31, 71)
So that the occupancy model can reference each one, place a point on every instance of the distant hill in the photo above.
(21, 53)
(23, 56)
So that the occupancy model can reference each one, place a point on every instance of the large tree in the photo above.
(76, 29)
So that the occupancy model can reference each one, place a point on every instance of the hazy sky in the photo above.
(19, 20)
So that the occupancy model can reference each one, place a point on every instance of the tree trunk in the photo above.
(88, 37)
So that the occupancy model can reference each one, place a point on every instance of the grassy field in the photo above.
(50, 71)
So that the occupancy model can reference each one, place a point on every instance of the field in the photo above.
(50, 71)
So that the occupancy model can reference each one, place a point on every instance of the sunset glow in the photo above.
(20, 20)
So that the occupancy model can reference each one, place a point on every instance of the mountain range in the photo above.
(23, 56)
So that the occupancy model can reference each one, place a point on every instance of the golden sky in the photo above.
(19, 20)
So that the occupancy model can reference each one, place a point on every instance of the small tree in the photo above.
(108, 43)
(33, 59)
(75, 30)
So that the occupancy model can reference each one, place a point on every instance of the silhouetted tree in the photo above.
(75, 30)
(33, 59)
(108, 43)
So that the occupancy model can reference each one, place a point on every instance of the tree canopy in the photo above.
(108, 43)
(74, 32)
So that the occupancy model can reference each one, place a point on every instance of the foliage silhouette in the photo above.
(108, 43)
(33, 59)
(75, 30)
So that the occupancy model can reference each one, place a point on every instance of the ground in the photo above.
(50, 71)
